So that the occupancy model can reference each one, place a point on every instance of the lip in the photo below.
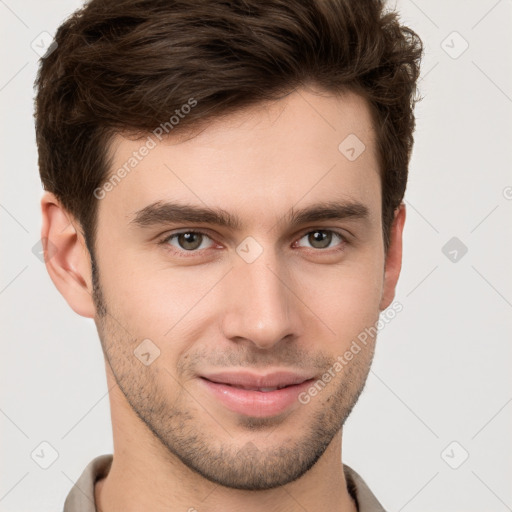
(279, 378)
(254, 402)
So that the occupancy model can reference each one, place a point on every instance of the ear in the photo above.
(66, 256)
(393, 258)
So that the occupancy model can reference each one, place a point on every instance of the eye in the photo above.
(322, 238)
(189, 241)
(194, 241)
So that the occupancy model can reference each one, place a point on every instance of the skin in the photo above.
(298, 306)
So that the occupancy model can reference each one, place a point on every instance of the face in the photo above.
(282, 275)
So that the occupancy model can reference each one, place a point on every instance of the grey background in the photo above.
(441, 371)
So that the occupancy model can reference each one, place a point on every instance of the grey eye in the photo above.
(321, 238)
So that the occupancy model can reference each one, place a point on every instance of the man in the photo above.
(224, 186)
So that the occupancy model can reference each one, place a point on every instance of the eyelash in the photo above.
(167, 238)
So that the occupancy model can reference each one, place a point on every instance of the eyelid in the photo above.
(202, 231)
(168, 236)
(344, 239)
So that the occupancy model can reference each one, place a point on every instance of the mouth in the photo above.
(252, 388)
(261, 397)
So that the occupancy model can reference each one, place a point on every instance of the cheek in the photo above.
(162, 302)
(170, 305)
(346, 298)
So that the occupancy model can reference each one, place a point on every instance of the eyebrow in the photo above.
(160, 213)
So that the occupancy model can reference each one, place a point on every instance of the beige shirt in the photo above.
(81, 496)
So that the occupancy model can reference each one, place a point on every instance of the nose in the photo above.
(261, 306)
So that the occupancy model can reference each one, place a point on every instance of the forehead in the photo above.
(305, 147)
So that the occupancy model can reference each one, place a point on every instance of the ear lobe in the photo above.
(66, 256)
(394, 258)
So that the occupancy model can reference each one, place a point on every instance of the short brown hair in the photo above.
(126, 65)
